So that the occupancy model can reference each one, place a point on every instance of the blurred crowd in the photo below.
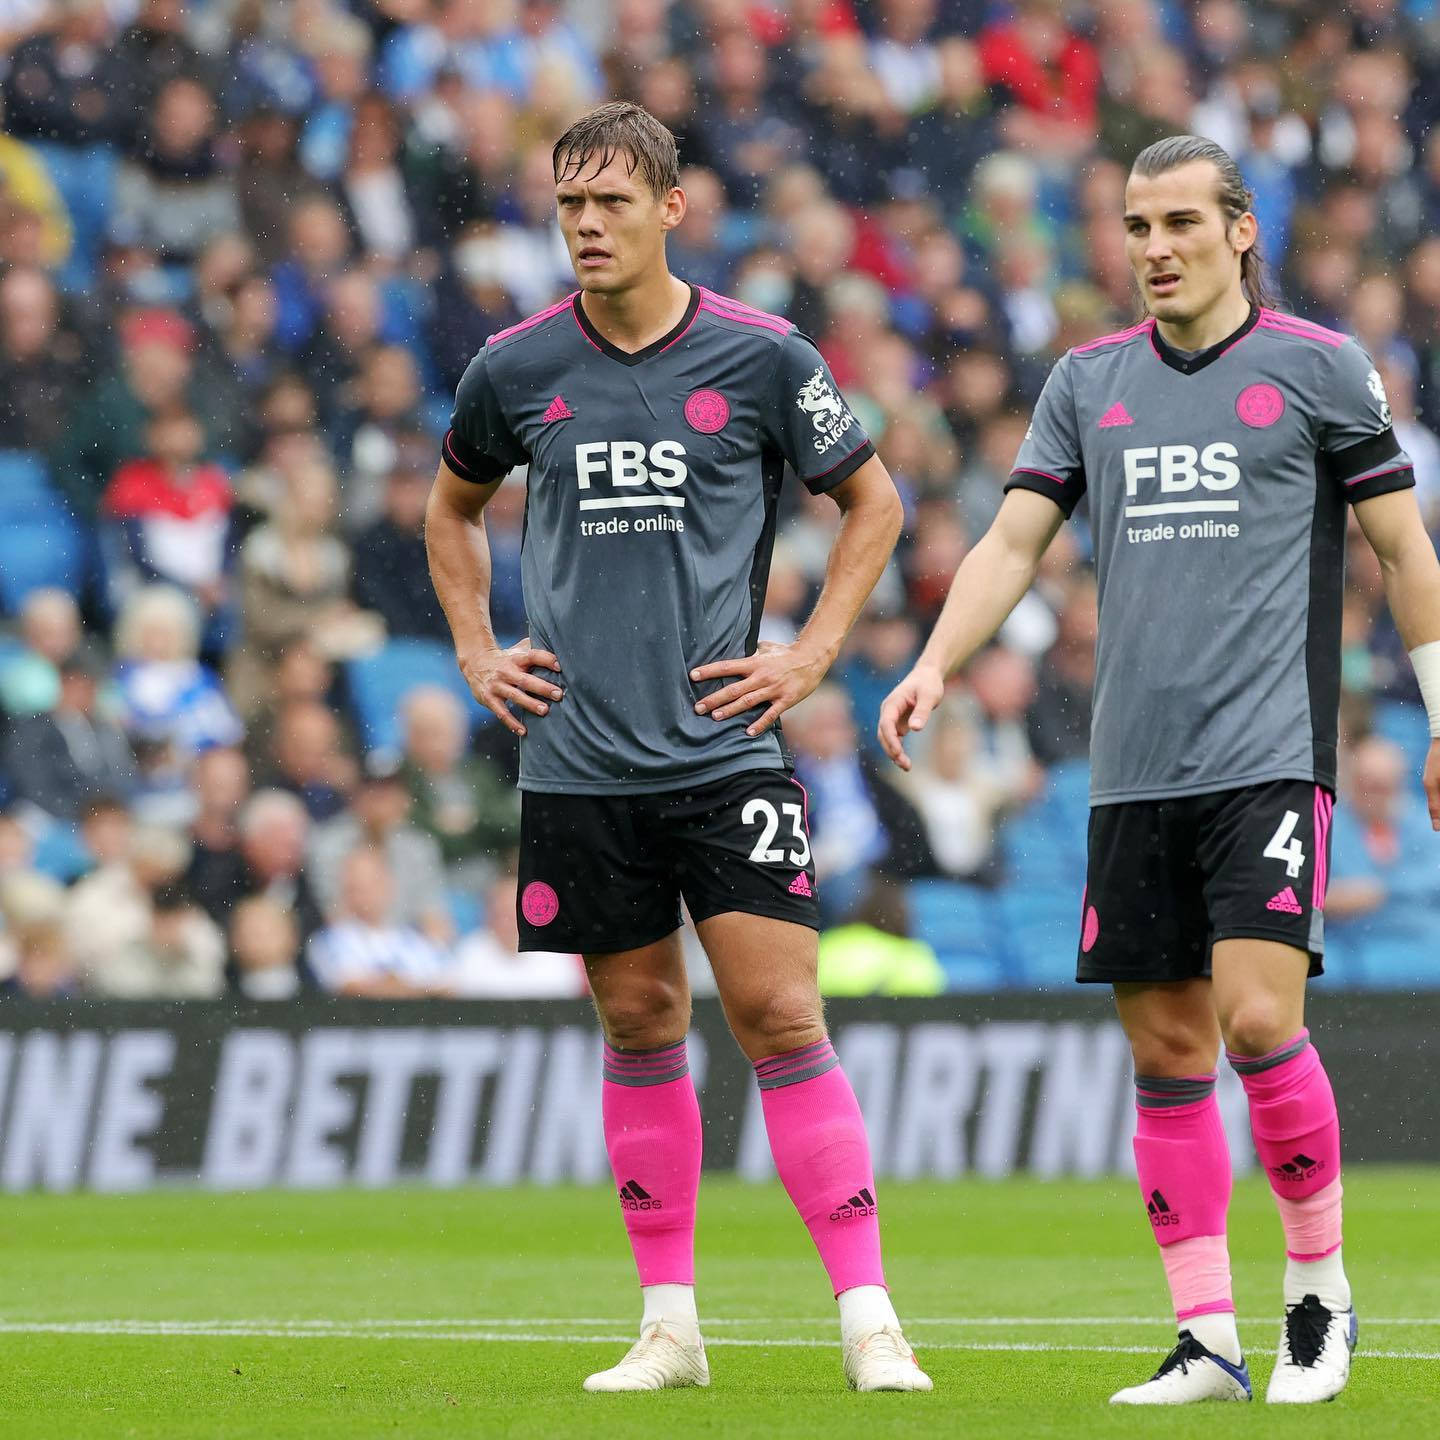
(247, 248)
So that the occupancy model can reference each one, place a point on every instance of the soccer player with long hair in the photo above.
(1220, 442)
(657, 419)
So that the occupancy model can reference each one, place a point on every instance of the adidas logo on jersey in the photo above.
(1285, 902)
(558, 410)
(632, 1197)
(1117, 414)
(861, 1203)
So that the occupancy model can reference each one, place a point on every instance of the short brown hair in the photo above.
(619, 128)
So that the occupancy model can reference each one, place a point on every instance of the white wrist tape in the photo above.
(1426, 660)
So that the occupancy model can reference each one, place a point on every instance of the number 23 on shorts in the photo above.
(768, 818)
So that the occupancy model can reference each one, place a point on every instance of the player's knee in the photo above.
(1172, 1048)
(640, 1018)
(773, 1025)
(1257, 1024)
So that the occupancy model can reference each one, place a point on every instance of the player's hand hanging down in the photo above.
(907, 707)
(777, 676)
(500, 678)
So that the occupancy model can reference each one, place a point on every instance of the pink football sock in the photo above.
(817, 1137)
(652, 1131)
(1183, 1163)
(1297, 1136)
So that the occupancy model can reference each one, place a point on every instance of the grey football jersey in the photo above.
(649, 521)
(1217, 488)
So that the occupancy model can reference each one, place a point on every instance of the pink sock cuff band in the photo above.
(796, 1065)
(1158, 1092)
(1257, 1064)
(646, 1067)
(1215, 1307)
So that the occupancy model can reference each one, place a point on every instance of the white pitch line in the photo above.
(189, 1330)
(471, 1322)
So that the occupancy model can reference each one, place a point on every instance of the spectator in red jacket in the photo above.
(1051, 76)
(173, 510)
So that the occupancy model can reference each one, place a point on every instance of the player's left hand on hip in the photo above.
(1431, 781)
(775, 676)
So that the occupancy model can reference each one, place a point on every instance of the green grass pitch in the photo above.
(477, 1313)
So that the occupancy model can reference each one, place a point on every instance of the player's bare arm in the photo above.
(1394, 528)
(780, 676)
(988, 585)
(459, 553)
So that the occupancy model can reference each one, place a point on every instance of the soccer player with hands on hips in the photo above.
(657, 419)
(1220, 442)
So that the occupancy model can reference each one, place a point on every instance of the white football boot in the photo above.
(667, 1356)
(881, 1360)
(1189, 1375)
(1314, 1359)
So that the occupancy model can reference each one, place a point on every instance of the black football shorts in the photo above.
(1168, 878)
(603, 873)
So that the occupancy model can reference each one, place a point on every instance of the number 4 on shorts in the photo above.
(1285, 846)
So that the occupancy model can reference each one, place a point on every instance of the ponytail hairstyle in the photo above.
(1235, 198)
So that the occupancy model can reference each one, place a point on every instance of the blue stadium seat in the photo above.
(1343, 961)
(25, 491)
(961, 922)
(380, 681)
(1399, 962)
(1036, 852)
(1069, 783)
(466, 912)
(38, 553)
(1406, 726)
(1041, 928)
(61, 853)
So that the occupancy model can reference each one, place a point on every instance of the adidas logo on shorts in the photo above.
(1285, 902)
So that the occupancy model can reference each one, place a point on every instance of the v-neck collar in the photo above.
(1189, 364)
(634, 357)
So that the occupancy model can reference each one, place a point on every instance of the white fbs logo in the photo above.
(627, 465)
(827, 411)
(1180, 470)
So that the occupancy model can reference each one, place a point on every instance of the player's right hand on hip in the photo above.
(907, 708)
(499, 679)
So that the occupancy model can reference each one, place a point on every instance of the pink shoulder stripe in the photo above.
(1319, 335)
(1132, 333)
(739, 305)
(1300, 322)
(533, 320)
(761, 322)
